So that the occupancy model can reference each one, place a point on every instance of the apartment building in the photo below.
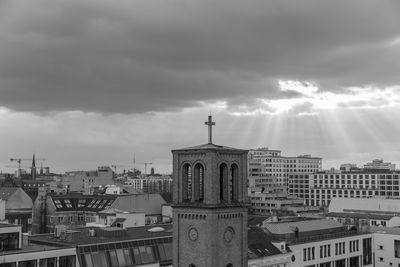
(151, 184)
(322, 243)
(280, 167)
(319, 188)
(272, 203)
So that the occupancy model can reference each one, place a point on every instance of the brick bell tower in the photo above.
(209, 212)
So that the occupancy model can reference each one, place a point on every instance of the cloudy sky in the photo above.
(93, 82)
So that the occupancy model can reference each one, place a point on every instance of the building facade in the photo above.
(280, 167)
(319, 188)
(322, 243)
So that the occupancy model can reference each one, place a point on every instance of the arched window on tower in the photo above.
(234, 183)
(186, 182)
(223, 182)
(198, 184)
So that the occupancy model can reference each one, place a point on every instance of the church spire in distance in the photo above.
(210, 124)
(33, 168)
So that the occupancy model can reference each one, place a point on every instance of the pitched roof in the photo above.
(7, 192)
(211, 147)
(259, 244)
(73, 202)
(255, 220)
(147, 203)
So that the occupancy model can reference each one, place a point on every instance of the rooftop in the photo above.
(7, 192)
(74, 202)
(103, 235)
(259, 244)
(211, 147)
(385, 230)
(6, 225)
(360, 215)
(302, 226)
(29, 249)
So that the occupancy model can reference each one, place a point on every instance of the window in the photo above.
(397, 248)
(48, 262)
(29, 263)
(113, 258)
(58, 204)
(68, 203)
(99, 259)
(67, 261)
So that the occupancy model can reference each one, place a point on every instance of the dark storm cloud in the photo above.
(138, 56)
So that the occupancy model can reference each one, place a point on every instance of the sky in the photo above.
(94, 82)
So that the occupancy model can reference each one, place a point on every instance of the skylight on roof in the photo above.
(68, 203)
(58, 204)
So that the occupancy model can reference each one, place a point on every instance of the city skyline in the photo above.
(92, 83)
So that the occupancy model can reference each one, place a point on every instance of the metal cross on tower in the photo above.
(210, 124)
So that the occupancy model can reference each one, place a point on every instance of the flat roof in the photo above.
(360, 215)
(5, 225)
(385, 230)
(33, 248)
(103, 235)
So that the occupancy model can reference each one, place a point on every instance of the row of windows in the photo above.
(355, 176)
(192, 216)
(127, 256)
(325, 250)
(340, 248)
(127, 253)
(64, 261)
(353, 245)
(70, 219)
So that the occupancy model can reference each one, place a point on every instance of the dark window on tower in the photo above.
(187, 182)
(234, 183)
(198, 184)
(223, 182)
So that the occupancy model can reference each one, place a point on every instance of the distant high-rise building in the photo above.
(152, 171)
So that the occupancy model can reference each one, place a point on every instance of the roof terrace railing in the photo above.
(318, 237)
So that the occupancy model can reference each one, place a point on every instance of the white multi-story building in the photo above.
(365, 211)
(319, 188)
(151, 184)
(280, 167)
(258, 181)
(270, 203)
(378, 164)
(322, 243)
(387, 246)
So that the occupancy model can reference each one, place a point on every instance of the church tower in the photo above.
(209, 211)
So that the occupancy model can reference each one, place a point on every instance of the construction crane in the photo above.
(145, 166)
(115, 167)
(18, 160)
